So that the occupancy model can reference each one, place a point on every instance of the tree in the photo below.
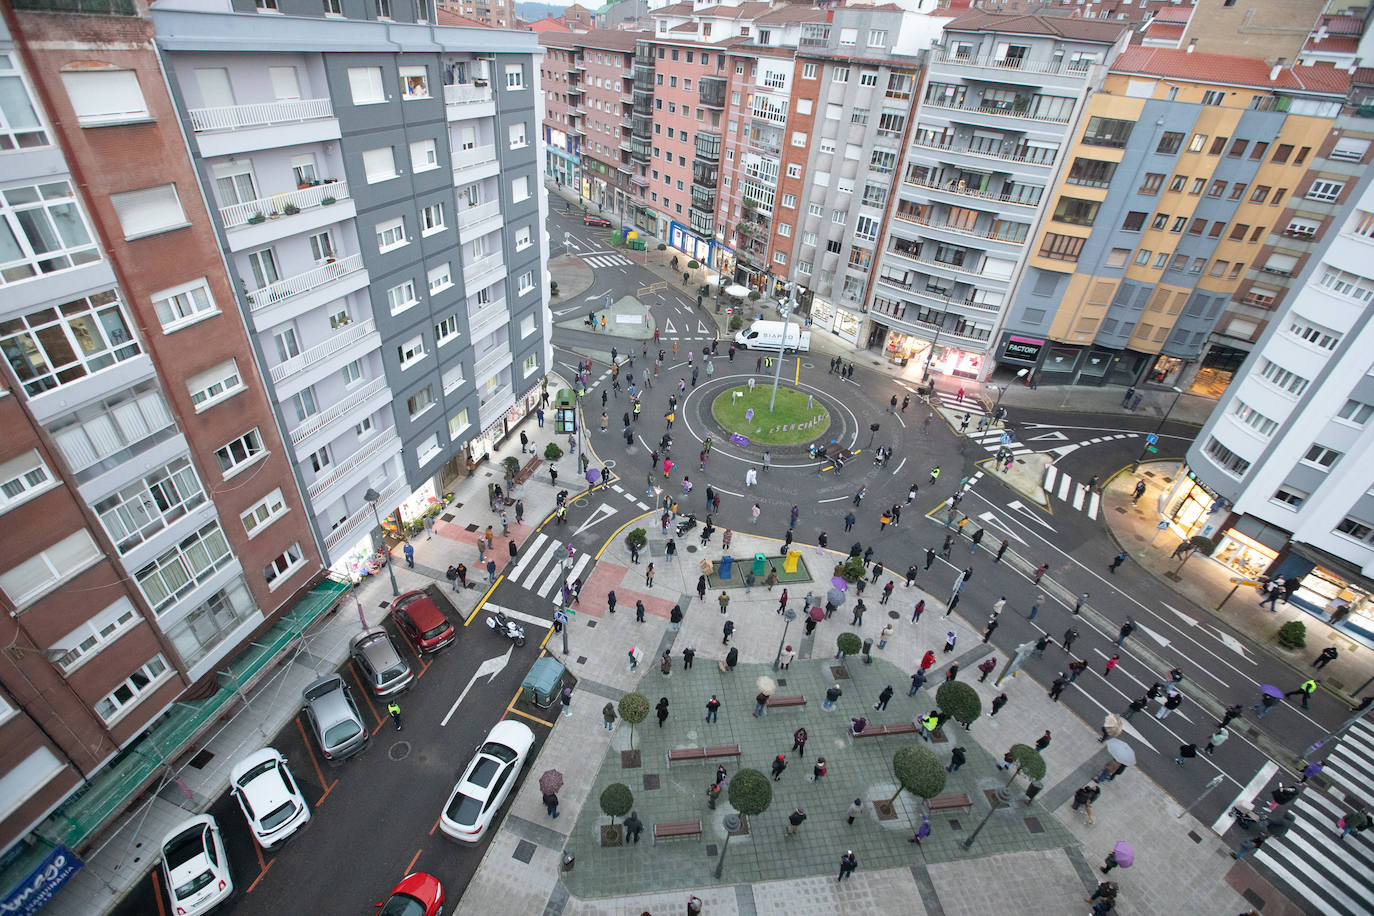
(918, 771)
(959, 701)
(736, 322)
(1026, 758)
(512, 466)
(851, 570)
(552, 452)
(848, 644)
(755, 296)
(553, 287)
(636, 539)
(750, 792)
(1293, 634)
(693, 264)
(616, 800)
(634, 708)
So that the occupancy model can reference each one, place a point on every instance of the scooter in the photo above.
(507, 628)
(687, 523)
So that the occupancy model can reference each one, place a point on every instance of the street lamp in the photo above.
(731, 824)
(371, 496)
(1004, 798)
(1178, 394)
(788, 615)
(1002, 389)
(782, 348)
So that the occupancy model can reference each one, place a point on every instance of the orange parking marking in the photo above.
(414, 860)
(157, 894)
(263, 866)
(525, 715)
(436, 825)
(318, 772)
(366, 694)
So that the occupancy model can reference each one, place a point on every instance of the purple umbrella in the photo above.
(1125, 855)
(1271, 690)
(840, 583)
(593, 475)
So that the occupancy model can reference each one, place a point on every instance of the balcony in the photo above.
(1039, 160)
(259, 114)
(478, 220)
(703, 198)
(471, 158)
(373, 394)
(1018, 109)
(362, 335)
(497, 401)
(959, 189)
(240, 214)
(232, 129)
(340, 473)
(267, 296)
(483, 272)
(941, 226)
(1077, 71)
(487, 319)
(362, 518)
(493, 362)
(468, 100)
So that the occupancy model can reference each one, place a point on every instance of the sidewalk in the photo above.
(1013, 867)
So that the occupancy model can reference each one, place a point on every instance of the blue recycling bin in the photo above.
(726, 564)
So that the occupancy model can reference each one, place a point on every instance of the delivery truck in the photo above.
(767, 335)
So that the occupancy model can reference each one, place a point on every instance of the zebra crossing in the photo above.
(1316, 866)
(542, 564)
(1080, 496)
(630, 497)
(607, 260)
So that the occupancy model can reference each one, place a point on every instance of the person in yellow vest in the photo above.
(929, 722)
(1305, 689)
(393, 709)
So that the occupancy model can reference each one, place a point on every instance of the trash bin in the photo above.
(726, 564)
(790, 564)
(760, 564)
(868, 651)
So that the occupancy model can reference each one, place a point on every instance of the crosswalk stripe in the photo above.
(1064, 484)
(539, 564)
(548, 584)
(1093, 500)
(1051, 472)
(531, 550)
(519, 615)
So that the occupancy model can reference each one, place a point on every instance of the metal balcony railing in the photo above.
(259, 114)
(268, 296)
(302, 199)
(338, 340)
(341, 407)
(379, 444)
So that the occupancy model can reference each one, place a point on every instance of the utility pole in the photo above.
(782, 348)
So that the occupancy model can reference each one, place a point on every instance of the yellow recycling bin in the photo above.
(790, 564)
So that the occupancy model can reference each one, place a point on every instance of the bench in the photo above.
(680, 754)
(949, 803)
(676, 829)
(528, 470)
(780, 702)
(878, 731)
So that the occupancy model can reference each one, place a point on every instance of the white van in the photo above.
(767, 335)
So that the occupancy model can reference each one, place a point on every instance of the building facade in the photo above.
(498, 14)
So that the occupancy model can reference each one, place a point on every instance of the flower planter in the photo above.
(256, 218)
(324, 202)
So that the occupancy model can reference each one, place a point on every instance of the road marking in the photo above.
(668, 326)
(1053, 437)
(531, 550)
(1245, 797)
(602, 511)
(992, 517)
(520, 615)
(1019, 507)
(489, 669)
(703, 329)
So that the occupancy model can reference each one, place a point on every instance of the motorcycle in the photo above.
(507, 628)
(686, 524)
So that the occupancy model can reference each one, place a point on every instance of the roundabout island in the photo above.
(796, 417)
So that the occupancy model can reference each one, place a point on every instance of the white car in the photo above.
(194, 866)
(267, 793)
(487, 782)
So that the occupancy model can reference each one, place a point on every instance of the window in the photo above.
(1217, 228)
(451, 379)
(1161, 221)
(1325, 190)
(53, 347)
(1353, 527)
(141, 509)
(868, 78)
(98, 97)
(263, 513)
(794, 170)
(401, 297)
(527, 326)
(379, 165)
(525, 283)
(391, 234)
(1092, 173)
(1254, 419)
(149, 211)
(1197, 226)
(799, 138)
(423, 156)
(1152, 183)
(1237, 190)
(236, 455)
(1213, 97)
(1282, 152)
(519, 189)
(1258, 150)
(1260, 194)
(1169, 143)
(1322, 456)
(22, 478)
(877, 38)
(785, 230)
(840, 75)
(1356, 412)
(522, 238)
(94, 634)
(1349, 286)
(1134, 221)
(383, 8)
(1178, 262)
(1177, 182)
(866, 229)
(214, 385)
(446, 330)
(1290, 496)
(1326, 340)
(1061, 247)
(49, 568)
(319, 459)
(285, 563)
(789, 201)
(131, 691)
(179, 570)
(411, 352)
(529, 366)
(183, 305)
(515, 76)
(414, 83)
(1179, 223)
(457, 423)
(1237, 149)
(1118, 257)
(1349, 149)
(352, 373)
(419, 402)
(814, 209)
(365, 83)
(1076, 211)
(45, 230)
(884, 161)
(304, 404)
(432, 219)
(1282, 378)
(1142, 257)
(213, 621)
(1198, 185)
(516, 133)
(1238, 231)
(1226, 459)
(1109, 132)
(808, 71)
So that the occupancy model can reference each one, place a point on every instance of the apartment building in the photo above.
(498, 14)
(562, 130)
(1176, 186)
(139, 555)
(1276, 476)
(381, 207)
(998, 109)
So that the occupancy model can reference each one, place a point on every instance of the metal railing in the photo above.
(392, 493)
(486, 319)
(970, 151)
(467, 158)
(338, 409)
(965, 191)
(946, 227)
(1009, 63)
(268, 296)
(338, 340)
(259, 114)
(302, 198)
(999, 112)
(379, 444)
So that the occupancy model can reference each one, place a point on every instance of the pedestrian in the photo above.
(409, 552)
(608, 716)
(1043, 741)
(917, 610)
(799, 742)
(1250, 845)
(1111, 664)
(1078, 604)
(877, 572)
(550, 804)
(1186, 752)
(1265, 704)
(950, 640)
(818, 770)
(1304, 690)
(1109, 863)
(1327, 657)
(928, 660)
(859, 609)
(760, 701)
(856, 807)
(731, 659)
(770, 582)
(989, 629)
(1057, 687)
(1356, 821)
(1135, 707)
(1217, 739)
(634, 658)
(1086, 795)
(662, 709)
(887, 592)
(957, 759)
(998, 605)
(848, 863)
(1172, 700)
(712, 708)
(918, 681)
(951, 672)
(1127, 629)
(1311, 769)
(795, 819)
(677, 613)
(566, 699)
(1116, 562)
(1042, 644)
(848, 521)
(788, 655)
(886, 631)
(1035, 606)
(1040, 571)
(1069, 636)
(779, 764)
(665, 664)
(831, 695)
(985, 668)
(649, 575)
(883, 697)
(1076, 668)
(1232, 712)
(1138, 492)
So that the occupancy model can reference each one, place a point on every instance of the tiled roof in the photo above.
(1173, 14)
(686, 27)
(450, 18)
(674, 9)
(1228, 69)
(1364, 76)
(548, 24)
(1333, 44)
(1080, 29)
(794, 13)
(1166, 31)
(1342, 25)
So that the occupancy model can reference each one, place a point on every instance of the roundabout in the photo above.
(796, 417)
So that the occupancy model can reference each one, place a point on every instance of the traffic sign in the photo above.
(1152, 438)
(1162, 525)
(1151, 449)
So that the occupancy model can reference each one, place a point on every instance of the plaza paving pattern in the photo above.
(860, 769)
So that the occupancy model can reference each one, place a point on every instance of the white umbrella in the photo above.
(1121, 751)
(739, 292)
(766, 685)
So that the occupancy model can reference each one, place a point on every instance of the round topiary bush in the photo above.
(851, 570)
(552, 452)
(918, 771)
(636, 539)
(616, 800)
(1028, 760)
(959, 701)
(693, 264)
(1293, 634)
(634, 708)
(662, 246)
(750, 792)
(849, 644)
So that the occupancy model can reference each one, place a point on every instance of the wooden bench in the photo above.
(528, 470)
(676, 829)
(780, 702)
(681, 754)
(878, 731)
(949, 803)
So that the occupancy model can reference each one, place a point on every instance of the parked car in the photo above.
(380, 664)
(195, 869)
(267, 794)
(334, 717)
(417, 616)
(418, 894)
(601, 221)
(487, 782)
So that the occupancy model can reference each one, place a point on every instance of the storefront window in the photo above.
(1244, 554)
(1166, 370)
(1328, 591)
(956, 362)
(847, 325)
(822, 313)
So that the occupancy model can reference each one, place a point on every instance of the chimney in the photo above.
(1274, 73)
(1321, 33)
(1192, 46)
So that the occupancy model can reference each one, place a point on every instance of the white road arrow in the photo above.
(1226, 639)
(488, 669)
(595, 296)
(601, 512)
(988, 517)
(1055, 436)
(1017, 506)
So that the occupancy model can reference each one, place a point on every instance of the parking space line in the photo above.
(413, 861)
(525, 715)
(366, 695)
(318, 772)
(436, 824)
(157, 893)
(263, 866)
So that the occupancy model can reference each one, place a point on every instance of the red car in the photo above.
(417, 895)
(419, 618)
(589, 220)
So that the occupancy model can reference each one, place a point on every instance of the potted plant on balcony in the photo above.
(291, 209)
(326, 201)
(257, 218)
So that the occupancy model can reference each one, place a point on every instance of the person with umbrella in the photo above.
(549, 784)
(1111, 727)
(1123, 755)
(1121, 856)
(1270, 696)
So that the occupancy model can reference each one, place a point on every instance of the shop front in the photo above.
(847, 325)
(822, 314)
(1192, 507)
(1330, 588)
(955, 362)
(694, 246)
(1244, 554)
(1218, 366)
(903, 349)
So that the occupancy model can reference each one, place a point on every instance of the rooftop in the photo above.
(791, 13)
(444, 16)
(1230, 70)
(602, 39)
(1333, 44)
(1173, 14)
(1342, 25)
(1080, 29)
(548, 24)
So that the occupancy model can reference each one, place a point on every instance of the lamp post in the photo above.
(782, 348)
(1004, 797)
(1144, 450)
(930, 354)
(788, 615)
(371, 496)
(1002, 389)
(731, 824)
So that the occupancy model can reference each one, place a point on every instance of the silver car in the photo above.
(380, 663)
(333, 716)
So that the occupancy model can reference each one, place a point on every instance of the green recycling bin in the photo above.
(760, 563)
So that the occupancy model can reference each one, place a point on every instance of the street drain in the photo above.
(399, 751)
